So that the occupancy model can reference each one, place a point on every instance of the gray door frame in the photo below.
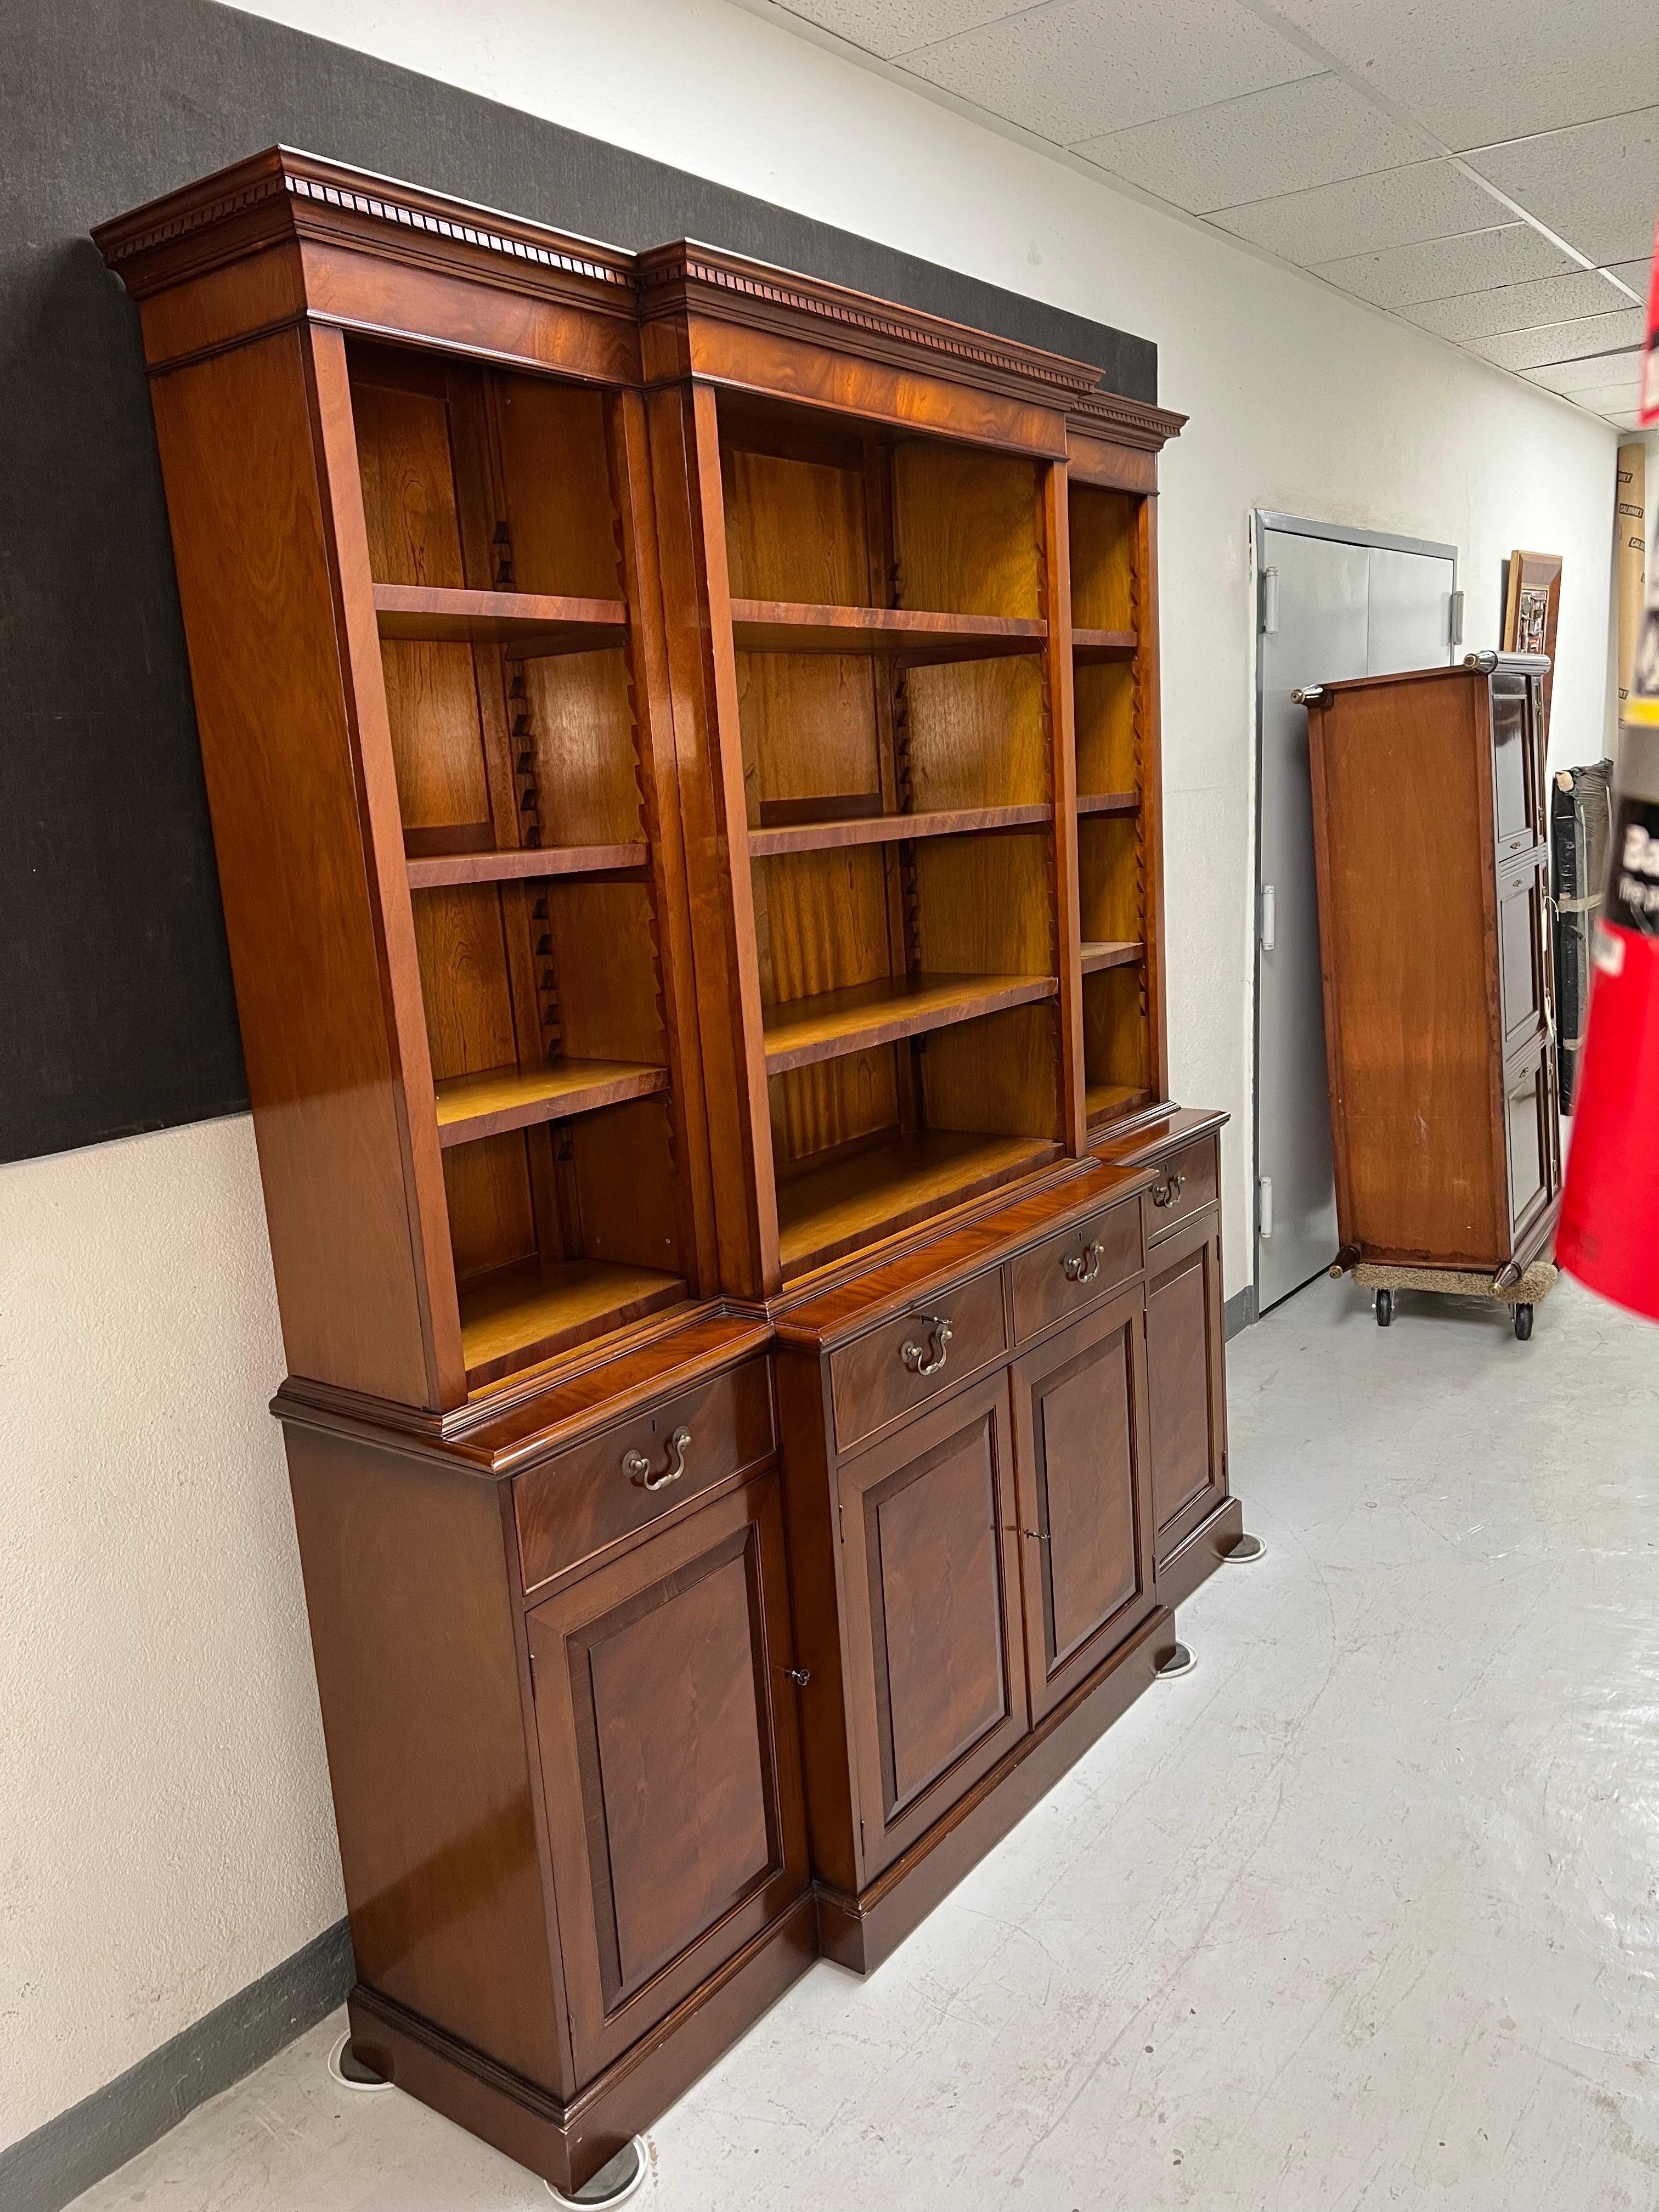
(1264, 519)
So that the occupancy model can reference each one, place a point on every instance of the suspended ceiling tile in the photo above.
(1637, 274)
(1078, 69)
(1610, 399)
(1510, 253)
(1366, 215)
(1516, 306)
(1478, 70)
(1313, 132)
(1584, 374)
(1559, 342)
(894, 27)
(1596, 186)
(1625, 419)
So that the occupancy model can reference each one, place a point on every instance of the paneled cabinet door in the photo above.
(929, 1577)
(670, 1746)
(1533, 1131)
(1081, 1448)
(1523, 950)
(1187, 1403)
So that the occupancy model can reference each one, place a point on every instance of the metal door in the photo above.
(1333, 605)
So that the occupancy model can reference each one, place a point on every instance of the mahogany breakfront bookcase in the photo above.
(683, 747)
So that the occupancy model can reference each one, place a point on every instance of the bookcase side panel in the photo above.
(250, 542)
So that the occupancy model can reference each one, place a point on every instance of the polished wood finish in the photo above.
(900, 1364)
(931, 1593)
(661, 1696)
(1086, 1505)
(570, 1509)
(1429, 815)
(1086, 1262)
(644, 703)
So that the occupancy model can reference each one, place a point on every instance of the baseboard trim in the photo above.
(1238, 1312)
(50, 2167)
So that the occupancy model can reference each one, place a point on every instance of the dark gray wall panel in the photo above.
(115, 985)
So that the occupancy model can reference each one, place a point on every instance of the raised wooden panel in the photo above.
(1517, 794)
(670, 1756)
(932, 1608)
(1530, 1128)
(1522, 919)
(1185, 1375)
(1081, 1430)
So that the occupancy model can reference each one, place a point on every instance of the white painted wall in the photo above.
(166, 1834)
(164, 1831)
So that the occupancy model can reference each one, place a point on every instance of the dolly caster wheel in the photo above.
(1524, 1323)
(622, 2177)
(1384, 1308)
(1180, 1662)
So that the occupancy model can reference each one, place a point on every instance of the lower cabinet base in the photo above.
(1196, 1557)
(859, 1932)
(567, 2144)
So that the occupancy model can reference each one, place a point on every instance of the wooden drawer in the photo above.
(596, 1493)
(1067, 1273)
(1187, 1182)
(906, 1361)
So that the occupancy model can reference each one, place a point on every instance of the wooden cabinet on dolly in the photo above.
(683, 747)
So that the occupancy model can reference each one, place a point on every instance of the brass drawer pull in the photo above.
(1083, 1266)
(1167, 1191)
(929, 1359)
(637, 1468)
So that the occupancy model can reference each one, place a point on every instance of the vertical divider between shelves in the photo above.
(685, 464)
(649, 669)
(1056, 609)
(1149, 754)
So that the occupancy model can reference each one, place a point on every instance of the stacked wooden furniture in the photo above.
(683, 748)
(1431, 832)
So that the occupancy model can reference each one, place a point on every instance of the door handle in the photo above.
(637, 1468)
(1269, 922)
(1265, 1206)
(929, 1358)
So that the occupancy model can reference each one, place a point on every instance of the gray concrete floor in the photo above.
(1362, 1913)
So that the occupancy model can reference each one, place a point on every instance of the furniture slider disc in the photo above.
(617, 2180)
(350, 2071)
(1180, 1662)
(1245, 1552)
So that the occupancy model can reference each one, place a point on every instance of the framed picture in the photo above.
(1531, 609)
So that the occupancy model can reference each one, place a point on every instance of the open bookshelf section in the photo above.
(1114, 895)
(893, 714)
(495, 542)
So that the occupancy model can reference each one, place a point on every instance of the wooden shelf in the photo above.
(527, 864)
(824, 1213)
(1112, 1101)
(1094, 645)
(521, 1315)
(781, 626)
(831, 1023)
(532, 625)
(1110, 952)
(1109, 802)
(893, 829)
(502, 1098)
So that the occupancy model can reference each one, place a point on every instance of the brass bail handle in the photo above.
(637, 1468)
(1083, 1266)
(929, 1358)
(1167, 1191)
